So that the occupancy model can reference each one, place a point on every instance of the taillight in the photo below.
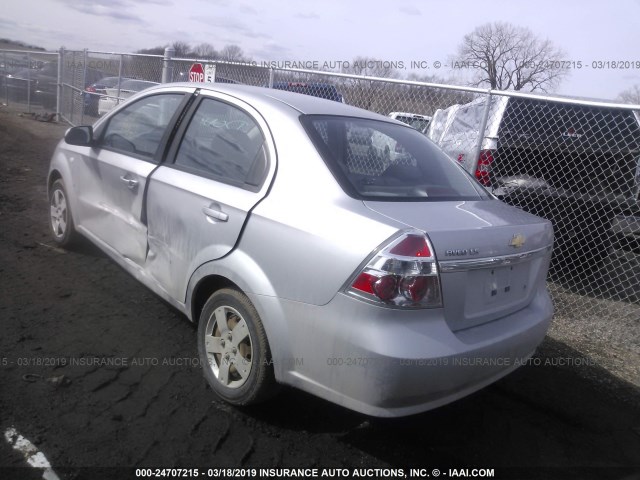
(412, 246)
(484, 167)
(403, 274)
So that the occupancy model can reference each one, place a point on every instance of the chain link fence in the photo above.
(575, 162)
(92, 83)
(29, 79)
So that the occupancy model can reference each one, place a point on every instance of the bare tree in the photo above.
(507, 57)
(368, 94)
(205, 50)
(152, 51)
(372, 67)
(426, 100)
(630, 95)
(182, 49)
(233, 53)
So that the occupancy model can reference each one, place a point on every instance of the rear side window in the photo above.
(225, 143)
(385, 161)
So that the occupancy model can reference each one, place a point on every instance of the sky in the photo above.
(595, 33)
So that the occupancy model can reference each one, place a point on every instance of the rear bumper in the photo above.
(388, 363)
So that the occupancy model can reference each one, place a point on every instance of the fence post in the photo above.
(270, 77)
(6, 86)
(84, 83)
(59, 89)
(167, 67)
(28, 83)
(119, 78)
(481, 132)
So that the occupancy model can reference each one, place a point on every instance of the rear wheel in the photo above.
(234, 350)
(61, 220)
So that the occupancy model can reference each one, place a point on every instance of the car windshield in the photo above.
(377, 160)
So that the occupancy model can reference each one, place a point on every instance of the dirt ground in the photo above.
(65, 314)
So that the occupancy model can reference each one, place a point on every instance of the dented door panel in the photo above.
(220, 166)
(116, 215)
(184, 232)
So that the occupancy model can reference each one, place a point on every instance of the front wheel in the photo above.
(234, 350)
(60, 219)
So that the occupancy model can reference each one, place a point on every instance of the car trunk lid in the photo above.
(492, 258)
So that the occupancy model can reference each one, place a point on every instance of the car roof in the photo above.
(305, 104)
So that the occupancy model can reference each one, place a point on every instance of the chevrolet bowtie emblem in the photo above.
(517, 241)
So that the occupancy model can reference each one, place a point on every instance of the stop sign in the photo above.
(196, 73)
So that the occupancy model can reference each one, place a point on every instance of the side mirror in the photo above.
(80, 136)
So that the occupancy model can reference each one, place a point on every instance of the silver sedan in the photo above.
(306, 258)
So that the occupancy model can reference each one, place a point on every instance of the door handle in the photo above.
(131, 183)
(215, 214)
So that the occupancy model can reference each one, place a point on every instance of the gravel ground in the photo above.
(572, 412)
(606, 331)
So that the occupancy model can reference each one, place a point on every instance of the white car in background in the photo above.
(415, 120)
(114, 96)
(388, 148)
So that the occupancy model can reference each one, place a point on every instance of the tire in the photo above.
(60, 218)
(238, 366)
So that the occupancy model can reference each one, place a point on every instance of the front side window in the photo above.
(138, 128)
(384, 161)
(225, 143)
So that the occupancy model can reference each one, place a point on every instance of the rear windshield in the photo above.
(374, 160)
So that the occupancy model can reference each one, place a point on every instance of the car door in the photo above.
(111, 179)
(219, 168)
